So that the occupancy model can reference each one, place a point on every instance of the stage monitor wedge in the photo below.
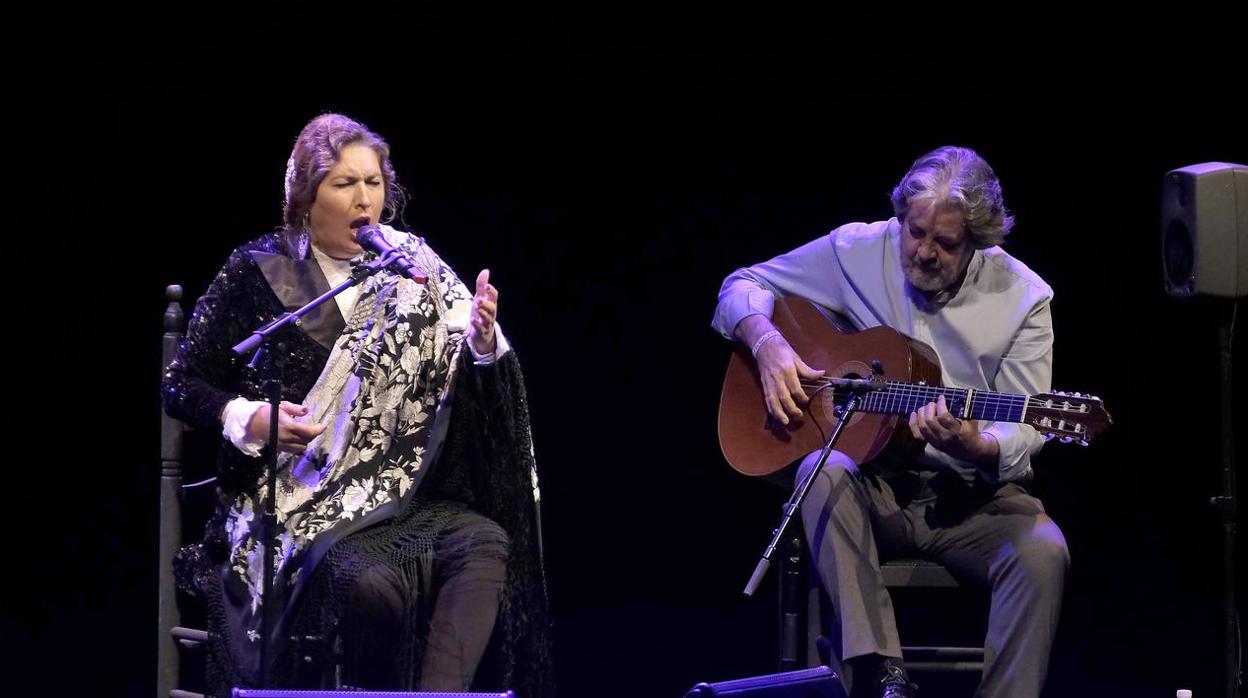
(820, 682)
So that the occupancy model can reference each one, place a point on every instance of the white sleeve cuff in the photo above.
(1017, 443)
(738, 301)
(501, 347)
(237, 415)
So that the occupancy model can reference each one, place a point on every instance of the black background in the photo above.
(611, 166)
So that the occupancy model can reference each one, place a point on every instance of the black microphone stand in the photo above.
(857, 388)
(1225, 504)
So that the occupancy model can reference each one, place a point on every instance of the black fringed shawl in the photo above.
(486, 464)
(488, 458)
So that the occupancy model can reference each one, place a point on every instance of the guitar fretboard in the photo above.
(904, 398)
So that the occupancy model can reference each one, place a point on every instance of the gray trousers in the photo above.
(996, 537)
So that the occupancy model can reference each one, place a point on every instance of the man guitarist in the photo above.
(935, 272)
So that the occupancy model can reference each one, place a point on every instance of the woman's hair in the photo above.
(316, 151)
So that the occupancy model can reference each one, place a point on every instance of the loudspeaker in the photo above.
(1204, 230)
(820, 682)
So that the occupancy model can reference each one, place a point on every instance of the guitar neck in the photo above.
(904, 398)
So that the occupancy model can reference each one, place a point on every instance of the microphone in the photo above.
(371, 238)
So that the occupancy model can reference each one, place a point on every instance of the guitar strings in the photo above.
(902, 391)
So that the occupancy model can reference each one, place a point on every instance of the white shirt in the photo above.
(995, 333)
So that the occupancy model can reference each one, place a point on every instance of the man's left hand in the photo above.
(936, 425)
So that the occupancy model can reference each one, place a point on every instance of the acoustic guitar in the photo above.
(900, 375)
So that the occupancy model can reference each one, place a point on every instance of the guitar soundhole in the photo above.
(838, 408)
(823, 403)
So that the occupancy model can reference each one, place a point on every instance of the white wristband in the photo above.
(763, 340)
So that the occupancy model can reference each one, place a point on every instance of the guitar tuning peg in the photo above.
(1077, 394)
(1061, 392)
(1048, 437)
(1083, 442)
(1066, 439)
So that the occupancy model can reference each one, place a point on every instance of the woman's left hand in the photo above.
(484, 314)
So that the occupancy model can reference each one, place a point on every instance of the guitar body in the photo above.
(755, 444)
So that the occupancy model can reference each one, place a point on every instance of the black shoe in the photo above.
(893, 681)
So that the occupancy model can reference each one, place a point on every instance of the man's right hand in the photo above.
(780, 369)
(292, 436)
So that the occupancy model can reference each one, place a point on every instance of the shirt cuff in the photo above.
(501, 347)
(237, 414)
(1016, 444)
(738, 304)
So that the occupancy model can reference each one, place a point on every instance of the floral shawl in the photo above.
(383, 399)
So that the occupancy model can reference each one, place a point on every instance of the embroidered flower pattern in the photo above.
(390, 383)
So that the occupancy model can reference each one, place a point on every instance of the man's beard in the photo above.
(929, 279)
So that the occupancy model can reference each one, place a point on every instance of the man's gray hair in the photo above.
(958, 177)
